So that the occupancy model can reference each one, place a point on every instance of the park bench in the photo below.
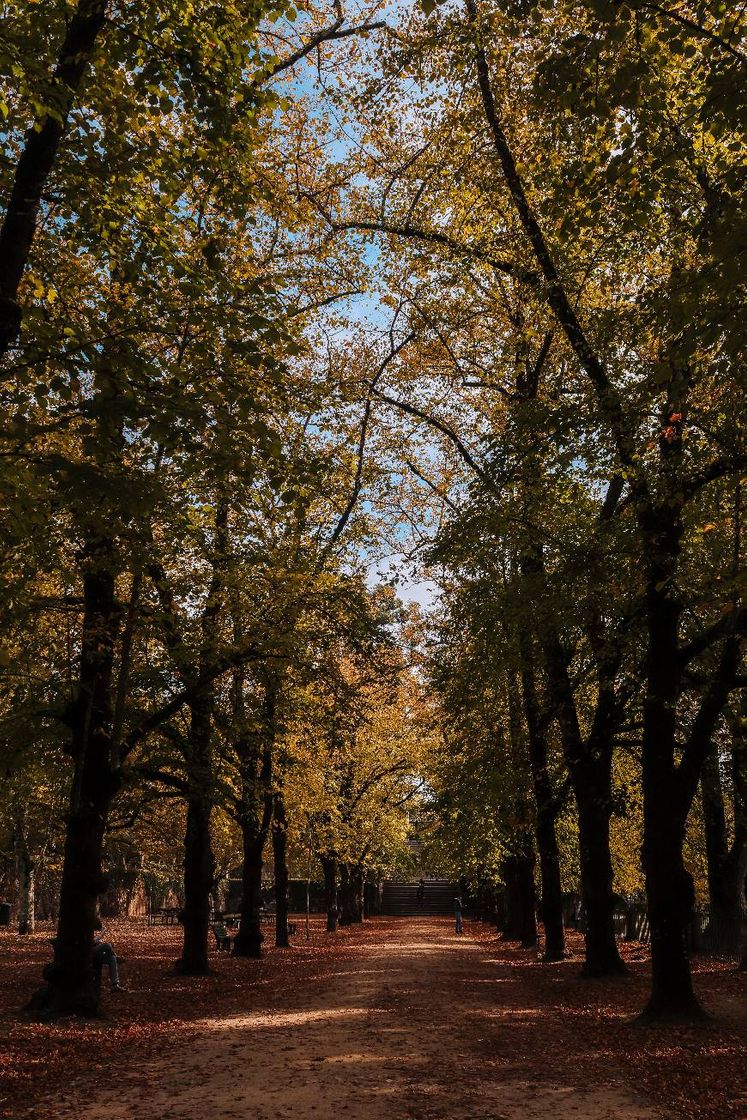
(223, 940)
(164, 916)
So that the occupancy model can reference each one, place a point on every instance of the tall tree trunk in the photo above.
(589, 763)
(670, 894)
(592, 787)
(723, 899)
(358, 883)
(199, 865)
(255, 819)
(25, 872)
(348, 900)
(280, 859)
(521, 900)
(249, 939)
(71, 987)
(669, 886)
(330, 869)
(547, 807)
(551, 901)
(738, 855)
(727, 864)
(38, 157)
(199, 868)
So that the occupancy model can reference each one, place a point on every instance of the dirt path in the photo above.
(420, 1025)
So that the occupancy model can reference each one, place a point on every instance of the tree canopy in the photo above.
(300, 308)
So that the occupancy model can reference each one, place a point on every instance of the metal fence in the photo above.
(708, 933)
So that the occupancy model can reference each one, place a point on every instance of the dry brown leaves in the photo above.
(39, 1061)
(578, 1029)
(546, 1024)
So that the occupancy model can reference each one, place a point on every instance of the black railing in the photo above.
(709, 934)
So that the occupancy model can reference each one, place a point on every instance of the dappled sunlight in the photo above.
(277, 1020)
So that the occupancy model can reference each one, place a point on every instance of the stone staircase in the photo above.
(400, 899)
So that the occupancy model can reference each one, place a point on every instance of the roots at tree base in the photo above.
(661, 1011)
(184, 968)
(600, 972)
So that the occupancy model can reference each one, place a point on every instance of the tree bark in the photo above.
(358, 882)
(547, 808)
(330, 869)
(723, 892)
(249, 939)
(255, 752)
(199, 865)
(589, 763)
(37, 159)
(71, 987)
(350, 911)
(25, 872)
(520, 922)
(280, 859)
(592, 782)
(669, 886)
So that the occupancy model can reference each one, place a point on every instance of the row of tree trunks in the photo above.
(670, 769)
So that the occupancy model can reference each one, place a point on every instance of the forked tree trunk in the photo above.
(330, 868)
(589, 763)
(25, 873)
(280, 859)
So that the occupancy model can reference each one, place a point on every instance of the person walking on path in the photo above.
(458, 914)
(420, 895)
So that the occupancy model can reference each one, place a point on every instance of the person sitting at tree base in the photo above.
(104, 954)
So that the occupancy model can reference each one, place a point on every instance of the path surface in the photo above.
(421, 1025)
